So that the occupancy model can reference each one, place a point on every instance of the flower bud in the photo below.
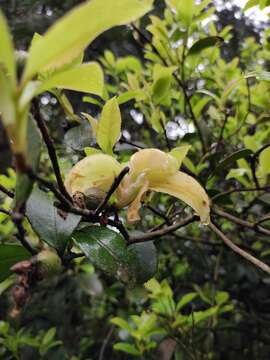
(47, 263)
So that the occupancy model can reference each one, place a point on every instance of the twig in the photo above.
(6, 212)
(105, 343)
(114, 186)
(158, 213)
(257, 153)
(51, 150)
(253, 162)
(238, 250)
(165, 136)
(241, 222)
(7, 192)
(158, 233)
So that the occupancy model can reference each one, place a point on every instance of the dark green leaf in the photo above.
(10, 255)
(143, 262)
(24, 184)
(54, 229)
(109, 252)
(105, 248)
(240, 154)
(205, 43)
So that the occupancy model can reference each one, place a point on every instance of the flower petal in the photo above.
(187, 189)
(98, 170)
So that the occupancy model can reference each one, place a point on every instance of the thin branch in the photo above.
(118, 225)
(257, 153)
(253, 161)
(50, 186)
(114, 186)
(238, 250)
(180, 83)
(6, 212)
(17, 219)
(158, 233)
(50, 147)
(222, 130)
(228, 192)
(124, 141)
(7, 192)
(241, 222)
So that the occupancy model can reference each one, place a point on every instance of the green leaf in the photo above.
(240, 154)
(7, 104)
(185, 300)
(92, 100)
(127, 96)
(205, 43)
(7, 283)
(250, 4)
(109, 252)
(123, 324)
(52, 228)
(264, 161)
(10, 255)
(259, 75)
(24, 184)
(91, 151)
(162, 81)
(185, 10)
(86, 78)
(60, 45)
(7, 60)
(109, 126)
(127, 348)
(221, 297)
(199, 316)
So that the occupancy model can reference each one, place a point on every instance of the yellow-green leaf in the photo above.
(86, 78)
(264, 159)
(70, 35)
(7, 106)
(109, 127)
(185, 10)
(180, 153)
(162, 76)
(7, 60)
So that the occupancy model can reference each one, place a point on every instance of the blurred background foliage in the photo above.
(205, 301)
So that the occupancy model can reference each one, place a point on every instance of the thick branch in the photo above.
(238, 250)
